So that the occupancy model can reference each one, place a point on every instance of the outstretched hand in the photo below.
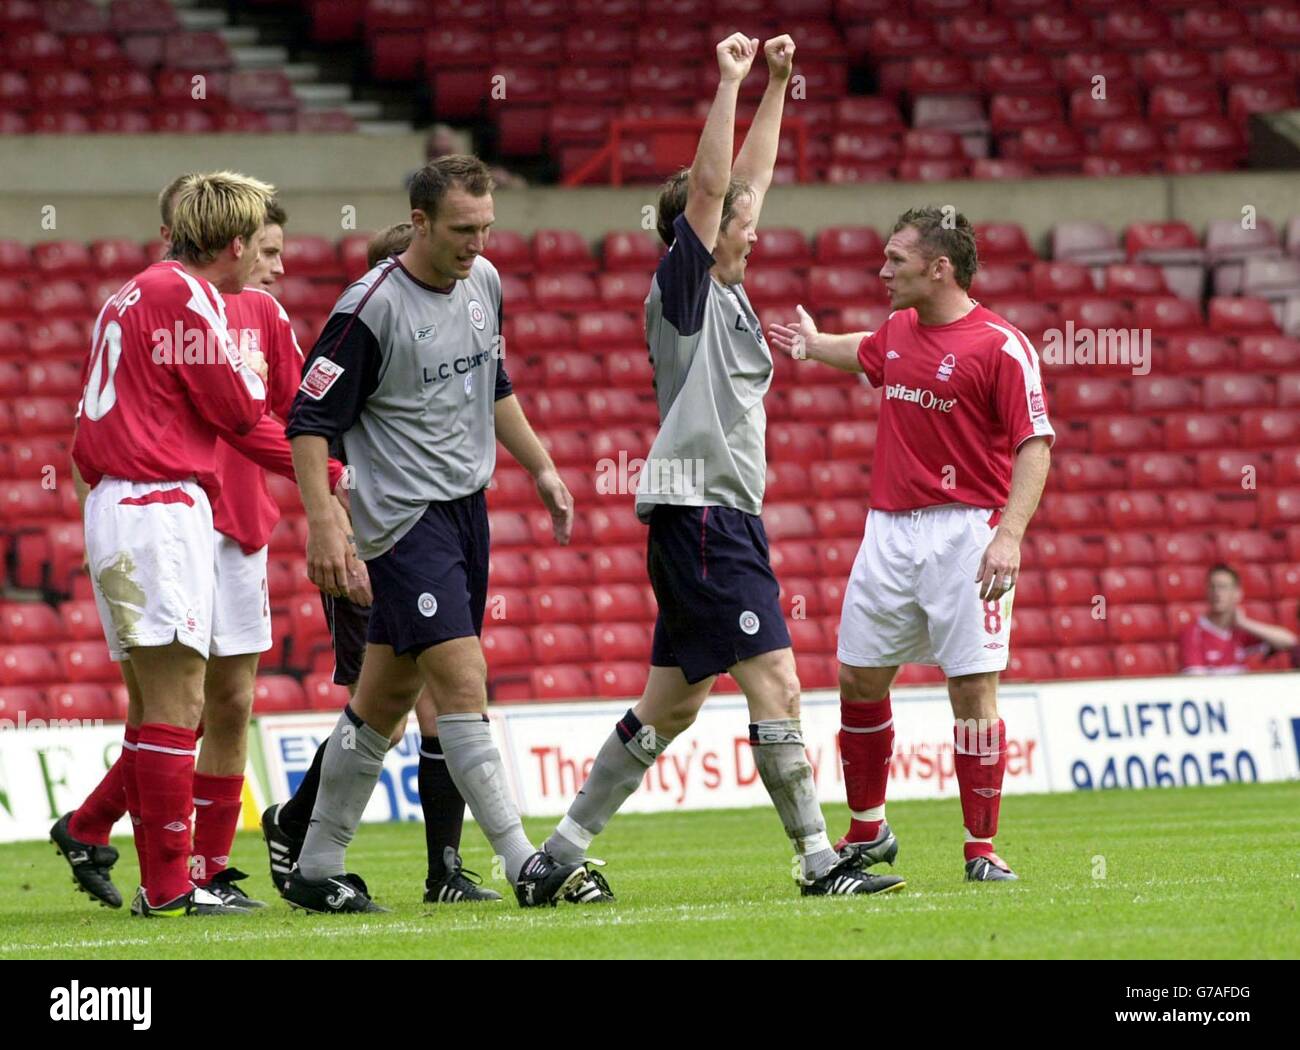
(795, 341)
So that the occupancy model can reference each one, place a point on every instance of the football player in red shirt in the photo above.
(1223, 640)
(244, 516)
(162, 380)
(961, 457)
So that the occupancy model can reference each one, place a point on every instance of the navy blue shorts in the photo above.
(347, 622)
(431, 586)
(719, 602)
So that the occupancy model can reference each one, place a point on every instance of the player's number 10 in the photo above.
(100, 394)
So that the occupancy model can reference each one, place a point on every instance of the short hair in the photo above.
(942, 231)
(167, 198)
(392, 240)
(1221, 567)
(275, 213)
(431, 183)
(672, 202)
(212, 210)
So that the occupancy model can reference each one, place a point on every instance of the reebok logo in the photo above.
(927, 399)
(75, 1003)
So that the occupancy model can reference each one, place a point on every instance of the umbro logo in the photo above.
(892, 355)
(987, 792)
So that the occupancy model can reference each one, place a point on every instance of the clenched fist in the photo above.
(736, 55)
(256, 363)
(780, 56)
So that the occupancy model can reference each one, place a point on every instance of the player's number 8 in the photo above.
(101, 395)
(992, 617)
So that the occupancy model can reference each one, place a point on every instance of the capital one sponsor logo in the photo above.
(926, 399)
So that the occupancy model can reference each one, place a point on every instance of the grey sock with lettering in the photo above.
(476, 768)
(354, 757)
(618, 771)
(786, 773)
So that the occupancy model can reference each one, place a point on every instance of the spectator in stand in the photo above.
(1223, 640)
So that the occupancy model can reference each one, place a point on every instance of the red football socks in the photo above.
(164, 777)
(104, 807)
(866, 748)
(217, 805)
(981, 761)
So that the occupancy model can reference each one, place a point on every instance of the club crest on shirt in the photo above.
(322, 375)
(477, 316)
(945, 368)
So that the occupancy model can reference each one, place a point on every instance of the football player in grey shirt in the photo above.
(701, 493)
(409, 371)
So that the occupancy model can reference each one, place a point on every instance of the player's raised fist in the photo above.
(780, 56)
(736, 55)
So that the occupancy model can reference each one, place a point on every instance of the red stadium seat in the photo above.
(1143, 660)
(635, 251)
(621, 641)
(87, 662)
(1228, 470)
(1084, 662)
(1229, 391)
(619, 680)
(1071, 586)
(1279, 507)
(1159, 394)
(83, 701)
(560, 643)
(322, 694)
(277, 694)
(619, 602)
(1198, 430)
(1079, 624)
(1030, 665)
(562, 250)
(1214, 28)
(560, 604)
(561, 683)
(1137, 623)
(848, 245)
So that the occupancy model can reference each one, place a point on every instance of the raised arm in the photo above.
(757, 157)
(711, 170)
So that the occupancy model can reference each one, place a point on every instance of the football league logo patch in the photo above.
(322, 375)
(477, 316)
(749, 622)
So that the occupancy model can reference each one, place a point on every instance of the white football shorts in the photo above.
(912, 597)
(241, 609)
(150, 546)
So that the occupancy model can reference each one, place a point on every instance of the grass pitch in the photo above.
(1206, 872)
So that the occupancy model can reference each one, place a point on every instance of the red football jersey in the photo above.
(1208, 649)
(959, 400)
(246, 511)
(163, 376)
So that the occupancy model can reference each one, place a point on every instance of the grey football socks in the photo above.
(476, 768)
(353, 759)
(619, 768)
(788, 777)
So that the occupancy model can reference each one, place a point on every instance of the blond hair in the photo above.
(392, 240)
(212, 210)
(167, 198)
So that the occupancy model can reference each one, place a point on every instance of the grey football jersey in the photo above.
(712, 368)
(409, 376)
